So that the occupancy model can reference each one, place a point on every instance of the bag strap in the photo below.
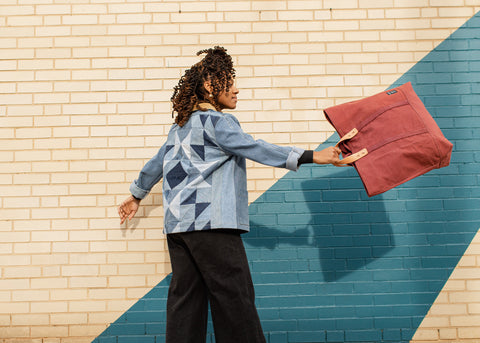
(354, 157)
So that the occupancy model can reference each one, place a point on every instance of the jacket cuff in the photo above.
(292, 159)
(136, 191)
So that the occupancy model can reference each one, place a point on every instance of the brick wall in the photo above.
(84, 103)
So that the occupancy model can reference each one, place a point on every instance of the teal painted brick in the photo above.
(434, 56)
(474, 66)
(351, 324)
(278, 337)
(460, 204)
(351, 229)
(293, 219)
(354, 300)
(282, 185)
(451, 67)
(136, 339)
(155, 328)
(317, 324)
(340, 195)
(297, 289)
(269, 313)
(392, 335)
(273, 197)
(313, 207)
(126, 328)
(312, 184)
(394, 298)
(386, 263)
(410, 310)
(268, 266)
(277, 325)
(466, 122)
(455, 44)
(464, 55)
(434, 78)
(331, 219)
(363, 335)
(335, 288)
(267, 208)
(392, 275)
(470, 99)
(450, 238)
(295, 196)
(469, 145)
(393, 322)
(105, 340)
(335, 336)
(298, 313)
(306, 337)
(147, 316)
(446, 100)
(372, 287)
(429, 274)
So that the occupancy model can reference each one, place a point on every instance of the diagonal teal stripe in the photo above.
(332, 265)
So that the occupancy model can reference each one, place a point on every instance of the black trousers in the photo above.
(211, 266)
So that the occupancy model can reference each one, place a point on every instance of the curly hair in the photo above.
(217, 68)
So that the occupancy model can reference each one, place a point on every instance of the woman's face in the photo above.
(228, 100)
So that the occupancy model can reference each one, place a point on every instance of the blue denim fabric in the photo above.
(204, 172)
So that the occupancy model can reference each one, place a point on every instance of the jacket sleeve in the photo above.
(231, 138)
(150, 174)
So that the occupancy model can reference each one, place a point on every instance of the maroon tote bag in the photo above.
(389, 138)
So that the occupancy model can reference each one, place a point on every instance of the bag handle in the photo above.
(354, 157)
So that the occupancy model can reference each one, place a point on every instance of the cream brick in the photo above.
(448, 309)
(460, 11)
(43, 75)
(447, 333)
(456, 285)
(426, 334)
(462, 321)
(30, 295)
(30, 319)
(87, 270)
(32, 248)
(107, 294)
(50, 236)
(465, 273)
(69, 247)
(21, 272)
(53, 9)
(472, 284)
(17, 202)
(87, 189)
(49, 331)
(471, 332)
(18, 331)
(124, 281)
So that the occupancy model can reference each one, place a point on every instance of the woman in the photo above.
(206, 204)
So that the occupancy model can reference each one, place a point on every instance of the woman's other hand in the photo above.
(128, 208)
(330, 155)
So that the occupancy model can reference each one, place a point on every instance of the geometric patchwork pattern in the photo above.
(187, 186)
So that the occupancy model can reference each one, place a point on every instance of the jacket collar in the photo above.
(203, 106)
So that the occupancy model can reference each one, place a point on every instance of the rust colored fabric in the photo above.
(402, 139)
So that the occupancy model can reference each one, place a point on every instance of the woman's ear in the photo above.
(208, 86)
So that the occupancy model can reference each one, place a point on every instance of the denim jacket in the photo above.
(204, 172)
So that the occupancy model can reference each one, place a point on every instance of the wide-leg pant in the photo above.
(211, 266)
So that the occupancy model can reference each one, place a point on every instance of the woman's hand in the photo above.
(327, 156)
(128, 208)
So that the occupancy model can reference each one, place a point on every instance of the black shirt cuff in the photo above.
(307, 157)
